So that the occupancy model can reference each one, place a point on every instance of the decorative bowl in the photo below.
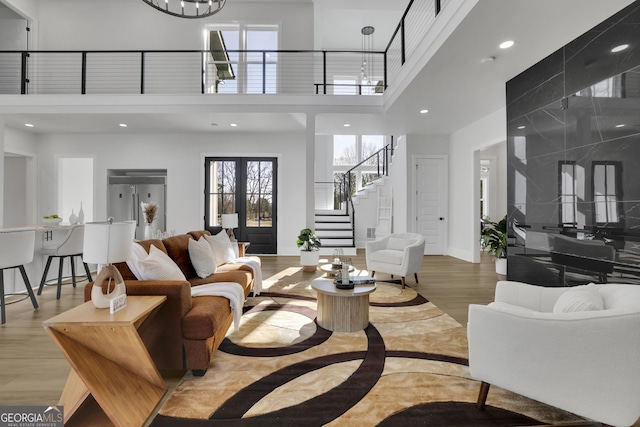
(52, 221)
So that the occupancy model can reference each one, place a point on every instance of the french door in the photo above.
(248, 186)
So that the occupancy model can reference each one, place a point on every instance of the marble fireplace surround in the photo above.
(573, 150)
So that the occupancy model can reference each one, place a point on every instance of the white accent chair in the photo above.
(71, 246)
(555, 346)
(16, 250)
(399, 254)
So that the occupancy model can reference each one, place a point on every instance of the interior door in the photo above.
(431, 188)
(246, 186)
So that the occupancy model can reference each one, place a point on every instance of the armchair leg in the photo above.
(373, 273)
(482, 396)
(402, 281)
(416, 276)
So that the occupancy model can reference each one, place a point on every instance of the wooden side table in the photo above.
(242, 248)
(342, 310)
(109, 360)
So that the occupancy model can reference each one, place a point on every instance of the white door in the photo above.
(431, 193)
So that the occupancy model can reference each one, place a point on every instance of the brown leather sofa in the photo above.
(185, 332)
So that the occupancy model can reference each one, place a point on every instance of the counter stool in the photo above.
(71, 246)
(16, 249)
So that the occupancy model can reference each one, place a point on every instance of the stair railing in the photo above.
(360, 176)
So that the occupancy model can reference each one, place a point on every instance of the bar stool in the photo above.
(71, 246)
(16, 249)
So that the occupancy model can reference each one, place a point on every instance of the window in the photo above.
(568, 194)
(605, 192)
(350, 150)
(255, 68)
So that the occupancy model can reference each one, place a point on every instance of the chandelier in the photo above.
(188, 8)
(366, 69)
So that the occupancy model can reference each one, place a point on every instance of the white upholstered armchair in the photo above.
(399, 254)
(575, 348)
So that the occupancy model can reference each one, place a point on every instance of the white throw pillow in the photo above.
(580, 298)
(221, 247)
(202, 258)
(137, 253)
(158, 266)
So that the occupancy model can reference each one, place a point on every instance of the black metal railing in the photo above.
(196, 71)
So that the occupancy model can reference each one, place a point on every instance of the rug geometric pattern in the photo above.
(407, 368)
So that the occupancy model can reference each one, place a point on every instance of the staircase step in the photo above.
(332, 218)
(337, 242)
(334, 234)
(331, 226)
(330, 212)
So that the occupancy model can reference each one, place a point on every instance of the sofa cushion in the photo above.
(388, 256)
(158, 266)
(580, 298)
(201, 257)
(178, 250)
(221, 246)
(205, 318)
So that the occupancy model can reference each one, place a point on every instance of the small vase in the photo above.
(148, 233)
(80, 215)
(73, 219)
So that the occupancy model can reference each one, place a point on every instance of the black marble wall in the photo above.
(574, 160)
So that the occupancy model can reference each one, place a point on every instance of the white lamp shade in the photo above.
(230, 220)
(106, 243)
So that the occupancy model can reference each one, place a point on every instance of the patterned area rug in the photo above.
(408, 368)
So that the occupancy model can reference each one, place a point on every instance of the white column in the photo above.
(310, 170)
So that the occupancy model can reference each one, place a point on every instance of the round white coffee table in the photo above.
(342, 310)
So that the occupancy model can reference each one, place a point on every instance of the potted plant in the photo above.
(309, 245)
(494, 238)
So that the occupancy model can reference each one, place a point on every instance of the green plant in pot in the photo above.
(494, 239)
(309, 245)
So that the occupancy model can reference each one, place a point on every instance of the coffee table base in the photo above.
(343, 314)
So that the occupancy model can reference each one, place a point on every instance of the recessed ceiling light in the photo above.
(506, 44)
(488, 59)
(619, 48)
(621, 125)
(424, 111)
(521, 127)
(233, 125)
(123, 125)
(347, 125)
(29, 125)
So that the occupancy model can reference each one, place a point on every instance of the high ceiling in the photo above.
(454, 83)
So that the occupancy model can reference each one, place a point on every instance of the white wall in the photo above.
(15, 187)
(123, 25)
(464, 175)
(183, 157)
(497, 155)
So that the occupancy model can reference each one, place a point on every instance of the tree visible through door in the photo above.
(246, 186)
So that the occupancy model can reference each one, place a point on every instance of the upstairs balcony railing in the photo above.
(307, 72)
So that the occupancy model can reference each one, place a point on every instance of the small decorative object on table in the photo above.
(104, 244)
(343, 281)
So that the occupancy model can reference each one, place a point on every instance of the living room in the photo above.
(159, 134)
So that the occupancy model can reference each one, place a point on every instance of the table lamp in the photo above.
(104, 244)
(229, 222)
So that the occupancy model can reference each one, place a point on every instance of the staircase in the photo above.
(336, 227)
(336, 230)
